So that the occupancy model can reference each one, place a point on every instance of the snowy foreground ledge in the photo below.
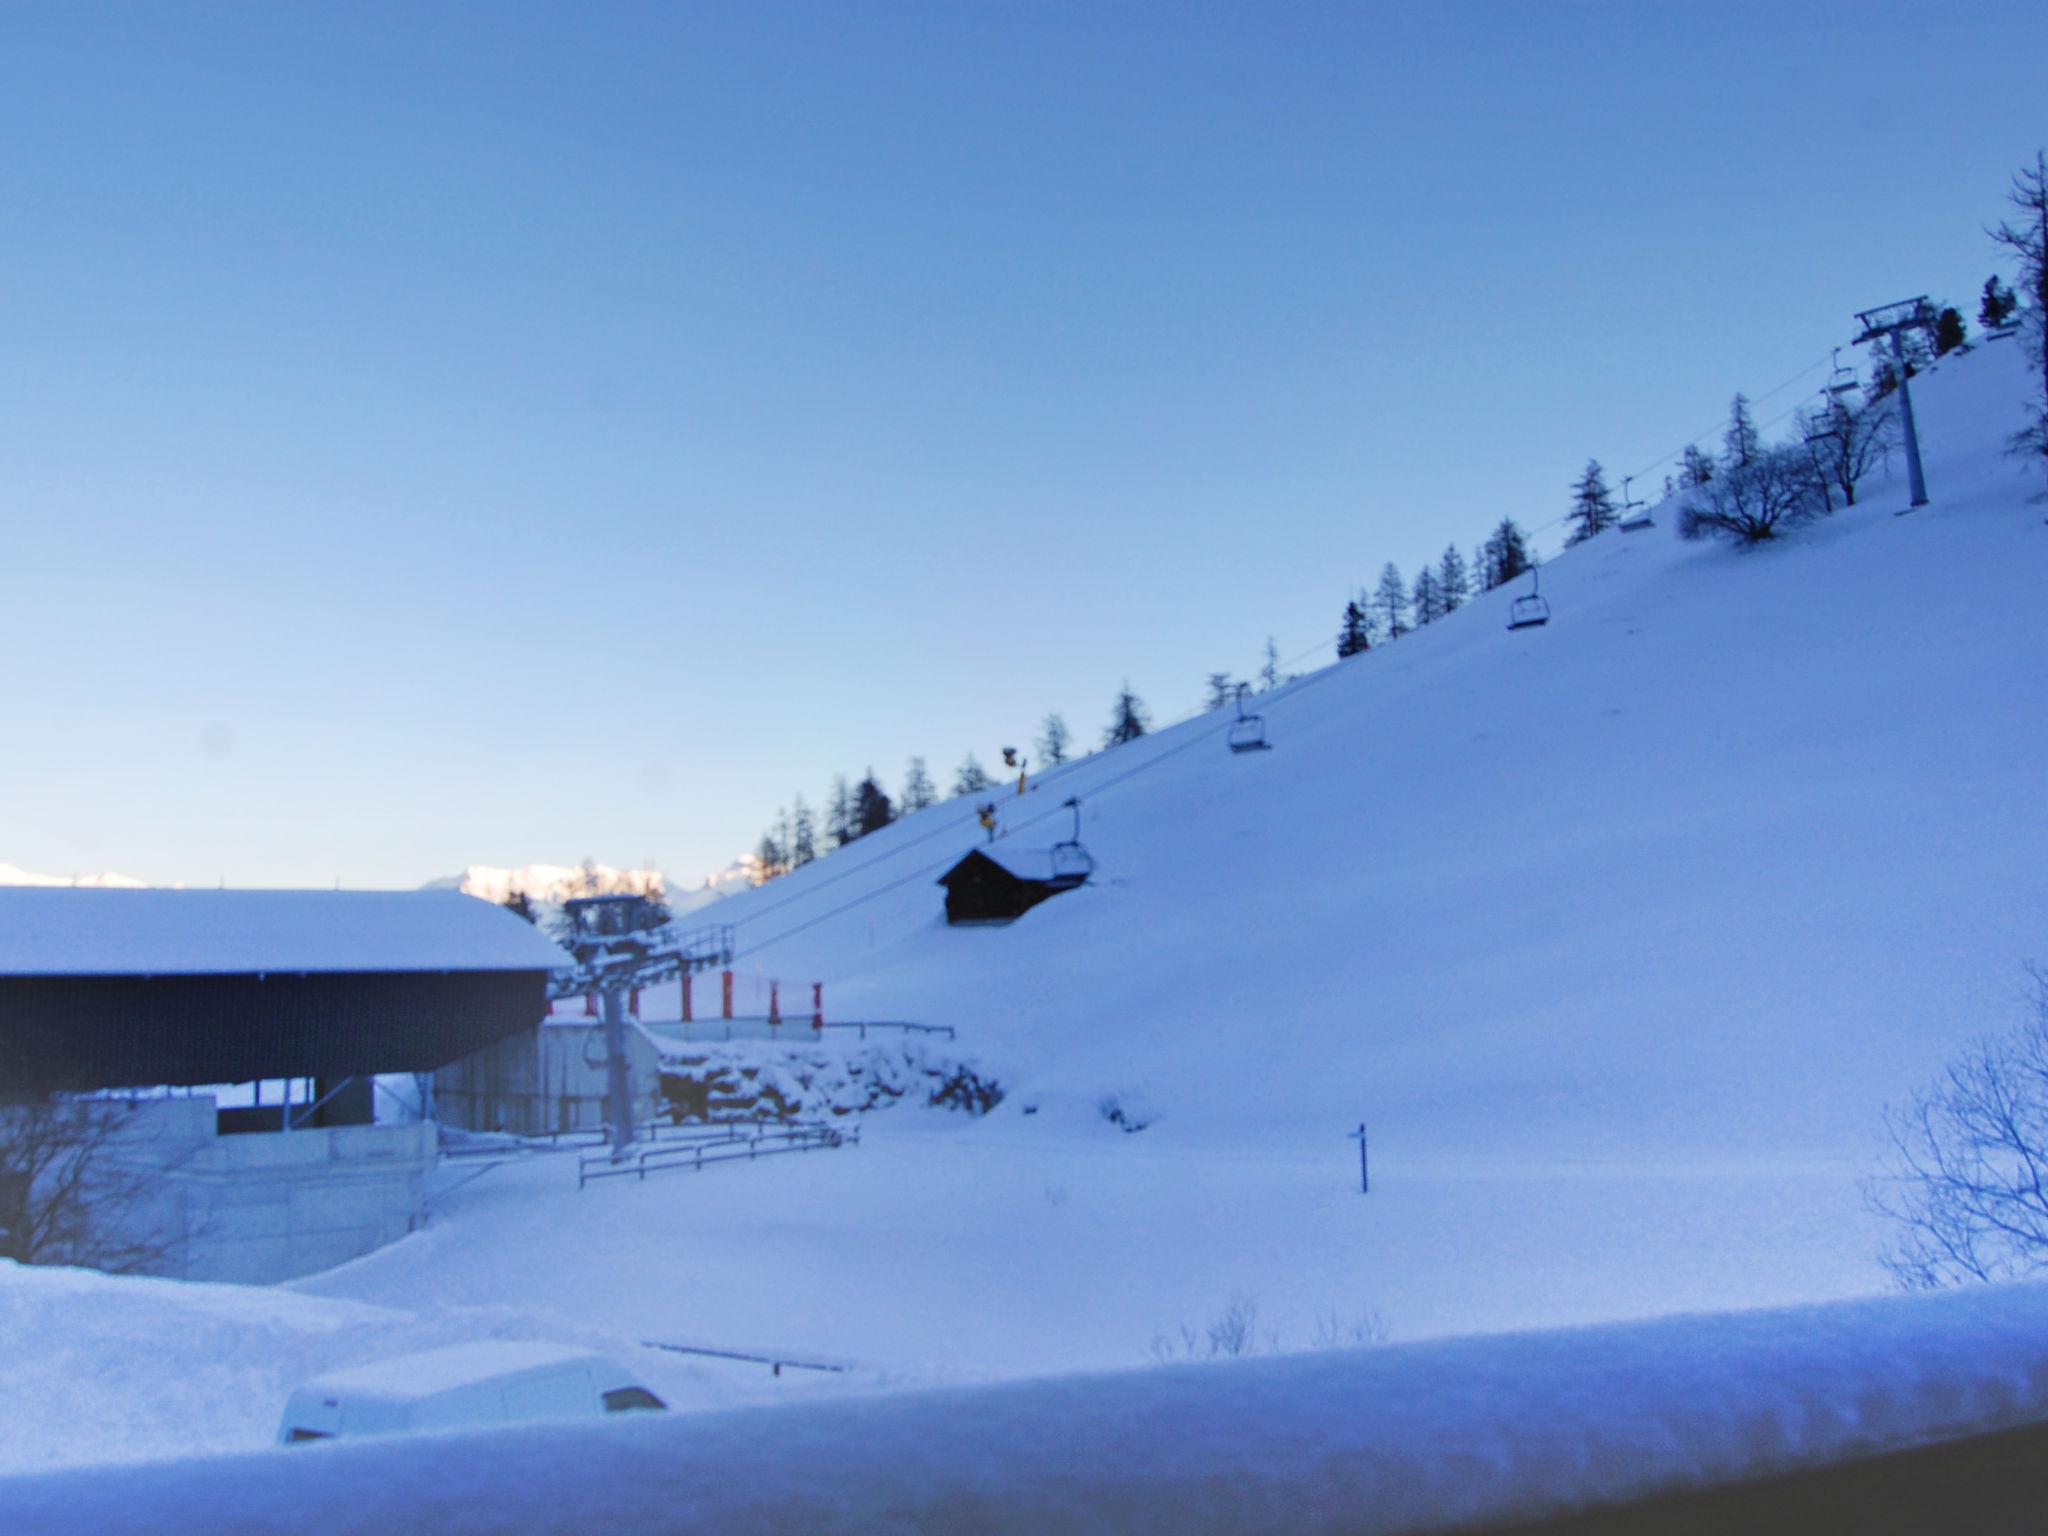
(1418, 1437)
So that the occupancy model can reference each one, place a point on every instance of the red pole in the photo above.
(726, 978)
(686, 997)
(817, 1005)
(590, 1005)
(634, 1007)
(551, 1007)
(774, 1002)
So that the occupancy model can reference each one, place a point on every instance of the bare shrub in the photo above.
(1967, 1171)
(1755, 502)
(66, 1196)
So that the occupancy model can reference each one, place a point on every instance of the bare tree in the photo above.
(2027, 239)
(1754, 502)
(66, 1194)
(1847, 445)
(1967, 1174)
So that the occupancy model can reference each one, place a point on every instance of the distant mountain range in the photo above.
(14, 874)
(549, 885)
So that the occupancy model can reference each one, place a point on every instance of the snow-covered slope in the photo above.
(1726, 856)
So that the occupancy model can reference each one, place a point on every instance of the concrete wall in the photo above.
(546, 1080)
(269, 1206)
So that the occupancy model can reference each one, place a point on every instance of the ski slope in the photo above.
(1725, 857)
(1618, 934)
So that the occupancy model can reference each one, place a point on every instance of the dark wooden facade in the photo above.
(74, 1033)
(980, 890)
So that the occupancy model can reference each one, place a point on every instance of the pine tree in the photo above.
(1269, 670)
(1356, 633)
(1452, 583)
(1053, 741)
(1505, 555)
(2027, 239)
(1998, 304)
(803, 835)
(1948, 331)
(1391, 599)
(1425, 598)
(871, 808)
(970, 778)
(519, 904)
(770, 859)
(1127, 721)
(1739, 443)
(1592, 504)
(1696, 469)
(918, 789)
(839, 813)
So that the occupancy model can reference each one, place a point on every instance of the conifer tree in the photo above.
(1356, 633)
(970, 778)
(1128, 720)
(803, 835)
(1391, 599)
(1452, 582)
(1053, 741)
(1998, 304)
(839, 813)
(871, 808)
(1216, 690)
(519, 904)
(1505, 555)
(770, 859)
(1695, 470)
(1425, 598)
(1269, 670)
(1592, 505)
(918, 790)
(1739, 443)
(1948, 331)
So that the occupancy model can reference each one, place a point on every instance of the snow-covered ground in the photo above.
(102, 1368)
(1356, 1442)
(1618, 933)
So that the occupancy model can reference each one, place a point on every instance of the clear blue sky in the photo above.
(434, 434)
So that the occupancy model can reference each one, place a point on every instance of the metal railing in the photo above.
(702, 1149)
(763, 1027)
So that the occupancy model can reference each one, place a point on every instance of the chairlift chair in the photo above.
(1071, 862)
(1842, 381)
(1248, 731)
(1530, 609)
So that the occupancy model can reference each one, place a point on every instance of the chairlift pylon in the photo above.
(1248, 731)
(1531, 608)
(1070, 861)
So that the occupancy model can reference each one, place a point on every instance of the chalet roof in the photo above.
(1023, 863)
(65, 931)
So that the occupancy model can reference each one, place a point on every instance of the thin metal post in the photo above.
(1915, 479)
(618, 1082)
(1364, 1160)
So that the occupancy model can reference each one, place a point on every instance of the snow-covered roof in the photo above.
(81, 932)
(1024, 863)
(411, 1378)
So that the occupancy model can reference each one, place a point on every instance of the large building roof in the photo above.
(164, 932)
